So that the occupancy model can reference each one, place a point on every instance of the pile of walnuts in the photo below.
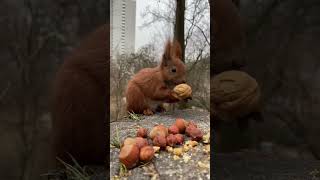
(134, 150)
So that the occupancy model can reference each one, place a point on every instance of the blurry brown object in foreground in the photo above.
(79, 102)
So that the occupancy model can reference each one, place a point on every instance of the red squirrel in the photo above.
(153, 86)
(79, 102)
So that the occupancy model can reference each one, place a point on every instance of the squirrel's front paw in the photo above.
(176, 96)
(148, 112)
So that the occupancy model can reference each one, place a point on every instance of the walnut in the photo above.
(183, 91)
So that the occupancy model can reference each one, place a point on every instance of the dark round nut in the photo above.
(171, 140)
(173, 129)
(142, 132)
(146, 153)
(129, 155)
(160, 141)
(181, 124)
(179, 138)
(158, 130)
(195, 133)
(141, 142)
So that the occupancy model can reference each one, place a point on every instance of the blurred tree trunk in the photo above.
(179, 25)
(179, 34)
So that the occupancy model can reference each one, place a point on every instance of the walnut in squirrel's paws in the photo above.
(183, 91)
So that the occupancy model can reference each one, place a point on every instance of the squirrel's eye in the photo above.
(173, 70)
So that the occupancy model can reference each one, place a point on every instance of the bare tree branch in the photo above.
(200, 29)
(197, 59)
(157, 16)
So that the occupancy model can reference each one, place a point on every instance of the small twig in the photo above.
(202, 32)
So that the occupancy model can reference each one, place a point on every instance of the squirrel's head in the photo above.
(172, 68)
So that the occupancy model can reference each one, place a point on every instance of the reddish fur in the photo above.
(229, 36)
(80, 102)
(236, 2)
(227, 25)
(156, 83)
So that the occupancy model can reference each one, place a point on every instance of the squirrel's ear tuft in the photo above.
(166, 57)
(177, 49)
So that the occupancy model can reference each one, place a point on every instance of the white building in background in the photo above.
(123, 23)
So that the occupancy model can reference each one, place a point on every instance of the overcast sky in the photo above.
(146, 35)
(143, 36)
(158, 32)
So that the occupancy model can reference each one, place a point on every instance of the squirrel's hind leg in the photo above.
(136, 101)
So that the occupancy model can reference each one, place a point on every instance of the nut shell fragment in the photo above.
(177, 151)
